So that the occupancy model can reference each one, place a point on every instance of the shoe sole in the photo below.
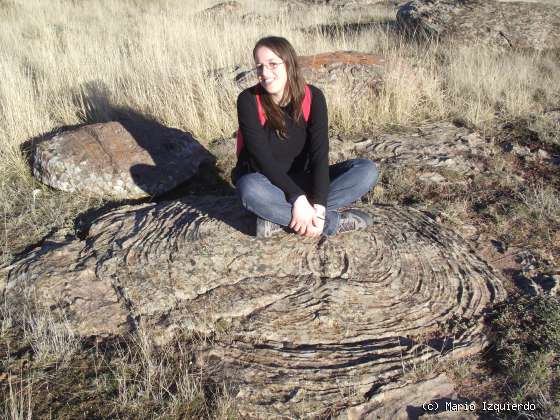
(261, 230)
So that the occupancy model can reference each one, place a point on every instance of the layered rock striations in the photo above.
(306, 319)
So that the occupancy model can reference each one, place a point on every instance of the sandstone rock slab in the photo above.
(435, 146)
(405, 401)
(122, 160)
(311, 324)
(501, 25)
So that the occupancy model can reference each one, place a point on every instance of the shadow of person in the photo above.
(93, 101)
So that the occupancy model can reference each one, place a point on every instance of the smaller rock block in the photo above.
(121, 160)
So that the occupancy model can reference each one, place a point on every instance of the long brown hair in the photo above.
(294, 89)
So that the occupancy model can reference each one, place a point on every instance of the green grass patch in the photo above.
(526, 336)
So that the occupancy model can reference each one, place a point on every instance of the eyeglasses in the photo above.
(271, 66)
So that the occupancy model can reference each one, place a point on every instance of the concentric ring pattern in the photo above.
(299, 324)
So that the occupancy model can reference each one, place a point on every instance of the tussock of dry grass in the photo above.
(547, 127)
(51, 337)
(166, 376)
(532, 1)
(6, 319)
(131, 378)
(542, 201)
(483, 84)
(19, 402)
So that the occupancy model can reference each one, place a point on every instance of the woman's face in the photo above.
(274, 77)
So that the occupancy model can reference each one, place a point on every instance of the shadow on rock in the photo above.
(533, 285)
(160, 161)
(162, 143)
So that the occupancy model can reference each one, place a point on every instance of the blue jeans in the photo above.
(349, 181)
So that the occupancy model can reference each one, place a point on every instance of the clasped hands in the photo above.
(307, 220)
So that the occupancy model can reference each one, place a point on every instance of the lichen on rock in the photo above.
(120, 159)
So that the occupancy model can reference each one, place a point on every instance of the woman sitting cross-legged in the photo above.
(282, 173)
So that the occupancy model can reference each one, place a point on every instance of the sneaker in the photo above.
(353, 219)
(266, 228)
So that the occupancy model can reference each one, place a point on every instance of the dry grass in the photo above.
(51, 337)
(423, 363)
(152, 375)
(166, 378)
(542, 201)
(67, 62)
(527, 340)
(6, 319)
(130, 378)
(19, 402)
(457, 211)
(547, 127)
(555, 2)
(482, 85)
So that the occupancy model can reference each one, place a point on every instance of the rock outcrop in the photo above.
(123, 160)
(430, 147)
(407, 401)
(225, 8)
(310, 323)
(224, 11)
(342, 3)
(508, 25)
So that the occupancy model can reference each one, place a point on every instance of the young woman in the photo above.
(282, 173)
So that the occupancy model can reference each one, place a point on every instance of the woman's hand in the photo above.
(302, 215)
(316, 227)
(318, 221)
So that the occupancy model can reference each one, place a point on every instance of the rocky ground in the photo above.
(169, 307)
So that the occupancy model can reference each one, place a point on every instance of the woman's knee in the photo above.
(369, 173)
(253, 188)
(246, 187)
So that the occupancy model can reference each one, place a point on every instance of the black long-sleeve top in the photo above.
(306, 148)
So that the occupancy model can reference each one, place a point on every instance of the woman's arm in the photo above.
(318, 132)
